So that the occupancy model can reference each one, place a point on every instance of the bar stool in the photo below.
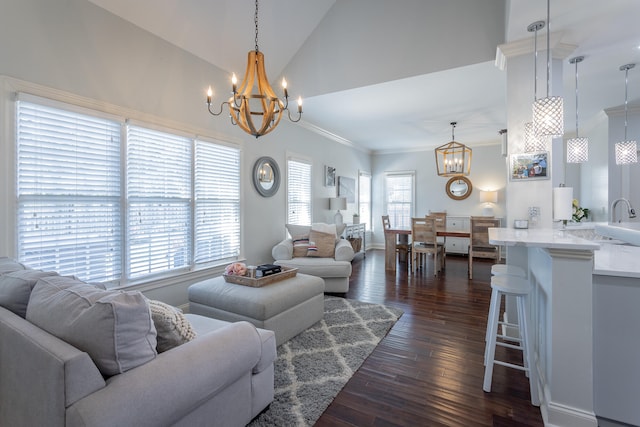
(507, 270)
(520, 289)
(501, 270)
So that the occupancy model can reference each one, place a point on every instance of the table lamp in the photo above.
(488, 197)
(337, 203)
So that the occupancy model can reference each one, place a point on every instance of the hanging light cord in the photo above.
(548, 49)
(535, 65)
(626, 84)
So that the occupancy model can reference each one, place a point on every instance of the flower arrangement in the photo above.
(236, 269)
(579, 213)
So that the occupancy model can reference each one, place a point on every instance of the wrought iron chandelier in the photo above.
(453, 158)
(254, 106)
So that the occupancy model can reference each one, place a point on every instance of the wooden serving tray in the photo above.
(258, 282)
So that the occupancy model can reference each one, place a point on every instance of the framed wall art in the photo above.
(529, 166)
(347, 188)
(329, 176)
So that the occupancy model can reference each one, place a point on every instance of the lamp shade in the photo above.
(338, 203)
(562, 203)
(488, 196)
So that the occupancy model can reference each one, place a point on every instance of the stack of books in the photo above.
(267, 270)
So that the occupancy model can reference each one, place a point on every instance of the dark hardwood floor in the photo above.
(428, 371)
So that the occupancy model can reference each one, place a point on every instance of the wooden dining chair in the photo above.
(479, 246)
(441, 223)
(425, 243)
(400, 248)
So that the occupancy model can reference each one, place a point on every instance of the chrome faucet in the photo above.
(630, 211)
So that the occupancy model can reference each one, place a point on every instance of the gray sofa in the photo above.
(223, 377)
(334, 269)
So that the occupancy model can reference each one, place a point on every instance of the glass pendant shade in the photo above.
(626, 152)
(578, 147)
(548, 117)
(578, 150)
(532, 143)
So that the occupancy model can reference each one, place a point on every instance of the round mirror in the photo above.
(266, 176)
(459, 188)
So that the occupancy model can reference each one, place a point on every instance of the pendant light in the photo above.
(548, 113)
(453, 158)
(627, 150)
(531, 142)
(578, 147)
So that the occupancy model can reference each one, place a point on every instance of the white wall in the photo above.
(78, 50)
(488, 172)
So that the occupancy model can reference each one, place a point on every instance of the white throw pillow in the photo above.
(172, 326)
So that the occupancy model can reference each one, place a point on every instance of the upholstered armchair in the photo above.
(317, 250)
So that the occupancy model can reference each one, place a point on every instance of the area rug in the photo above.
(314, 366)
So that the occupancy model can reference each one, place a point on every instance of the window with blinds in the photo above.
(68, 207)
(298, 192)
(181, 206)
(399, 198)
(217, 196)
(158, 201)
(364, 198)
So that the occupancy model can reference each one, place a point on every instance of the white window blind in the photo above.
(364, 198)
(298, 192)
(217, 194)
(68, 209)
(399, 188)
(158, 201)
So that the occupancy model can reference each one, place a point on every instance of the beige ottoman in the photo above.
(286, 307)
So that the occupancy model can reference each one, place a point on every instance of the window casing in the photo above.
(399, 198)
(298, 191)
(364, 197)
(108, 201)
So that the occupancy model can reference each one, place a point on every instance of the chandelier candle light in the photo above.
(548, 113)
(627, 150)
(578, 147)
(453, 158)
(245, 105)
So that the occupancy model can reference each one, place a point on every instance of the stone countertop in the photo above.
(617, 260)
(541, 238)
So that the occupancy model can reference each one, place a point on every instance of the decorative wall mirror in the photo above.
(459, 187)
(266, 176)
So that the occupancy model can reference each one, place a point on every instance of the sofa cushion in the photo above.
(7, 265)
(304, 230)
(319, 267)
(114, 327)
(321, 245)
(16, 287)
(172, 327)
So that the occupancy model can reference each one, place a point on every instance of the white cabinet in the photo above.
(457, 245)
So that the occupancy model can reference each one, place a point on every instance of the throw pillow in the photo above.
(321, 245)
(7, 265)
(300, 245)
(172, 326)
(114, 327)
(16, 287)
(298, 230)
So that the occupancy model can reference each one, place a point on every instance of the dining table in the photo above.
(391, 235)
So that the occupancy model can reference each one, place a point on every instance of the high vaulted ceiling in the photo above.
(388, 76)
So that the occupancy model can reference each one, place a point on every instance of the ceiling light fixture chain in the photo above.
(533, 143)
(254, 106)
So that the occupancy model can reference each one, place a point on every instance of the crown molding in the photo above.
(525, 46)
